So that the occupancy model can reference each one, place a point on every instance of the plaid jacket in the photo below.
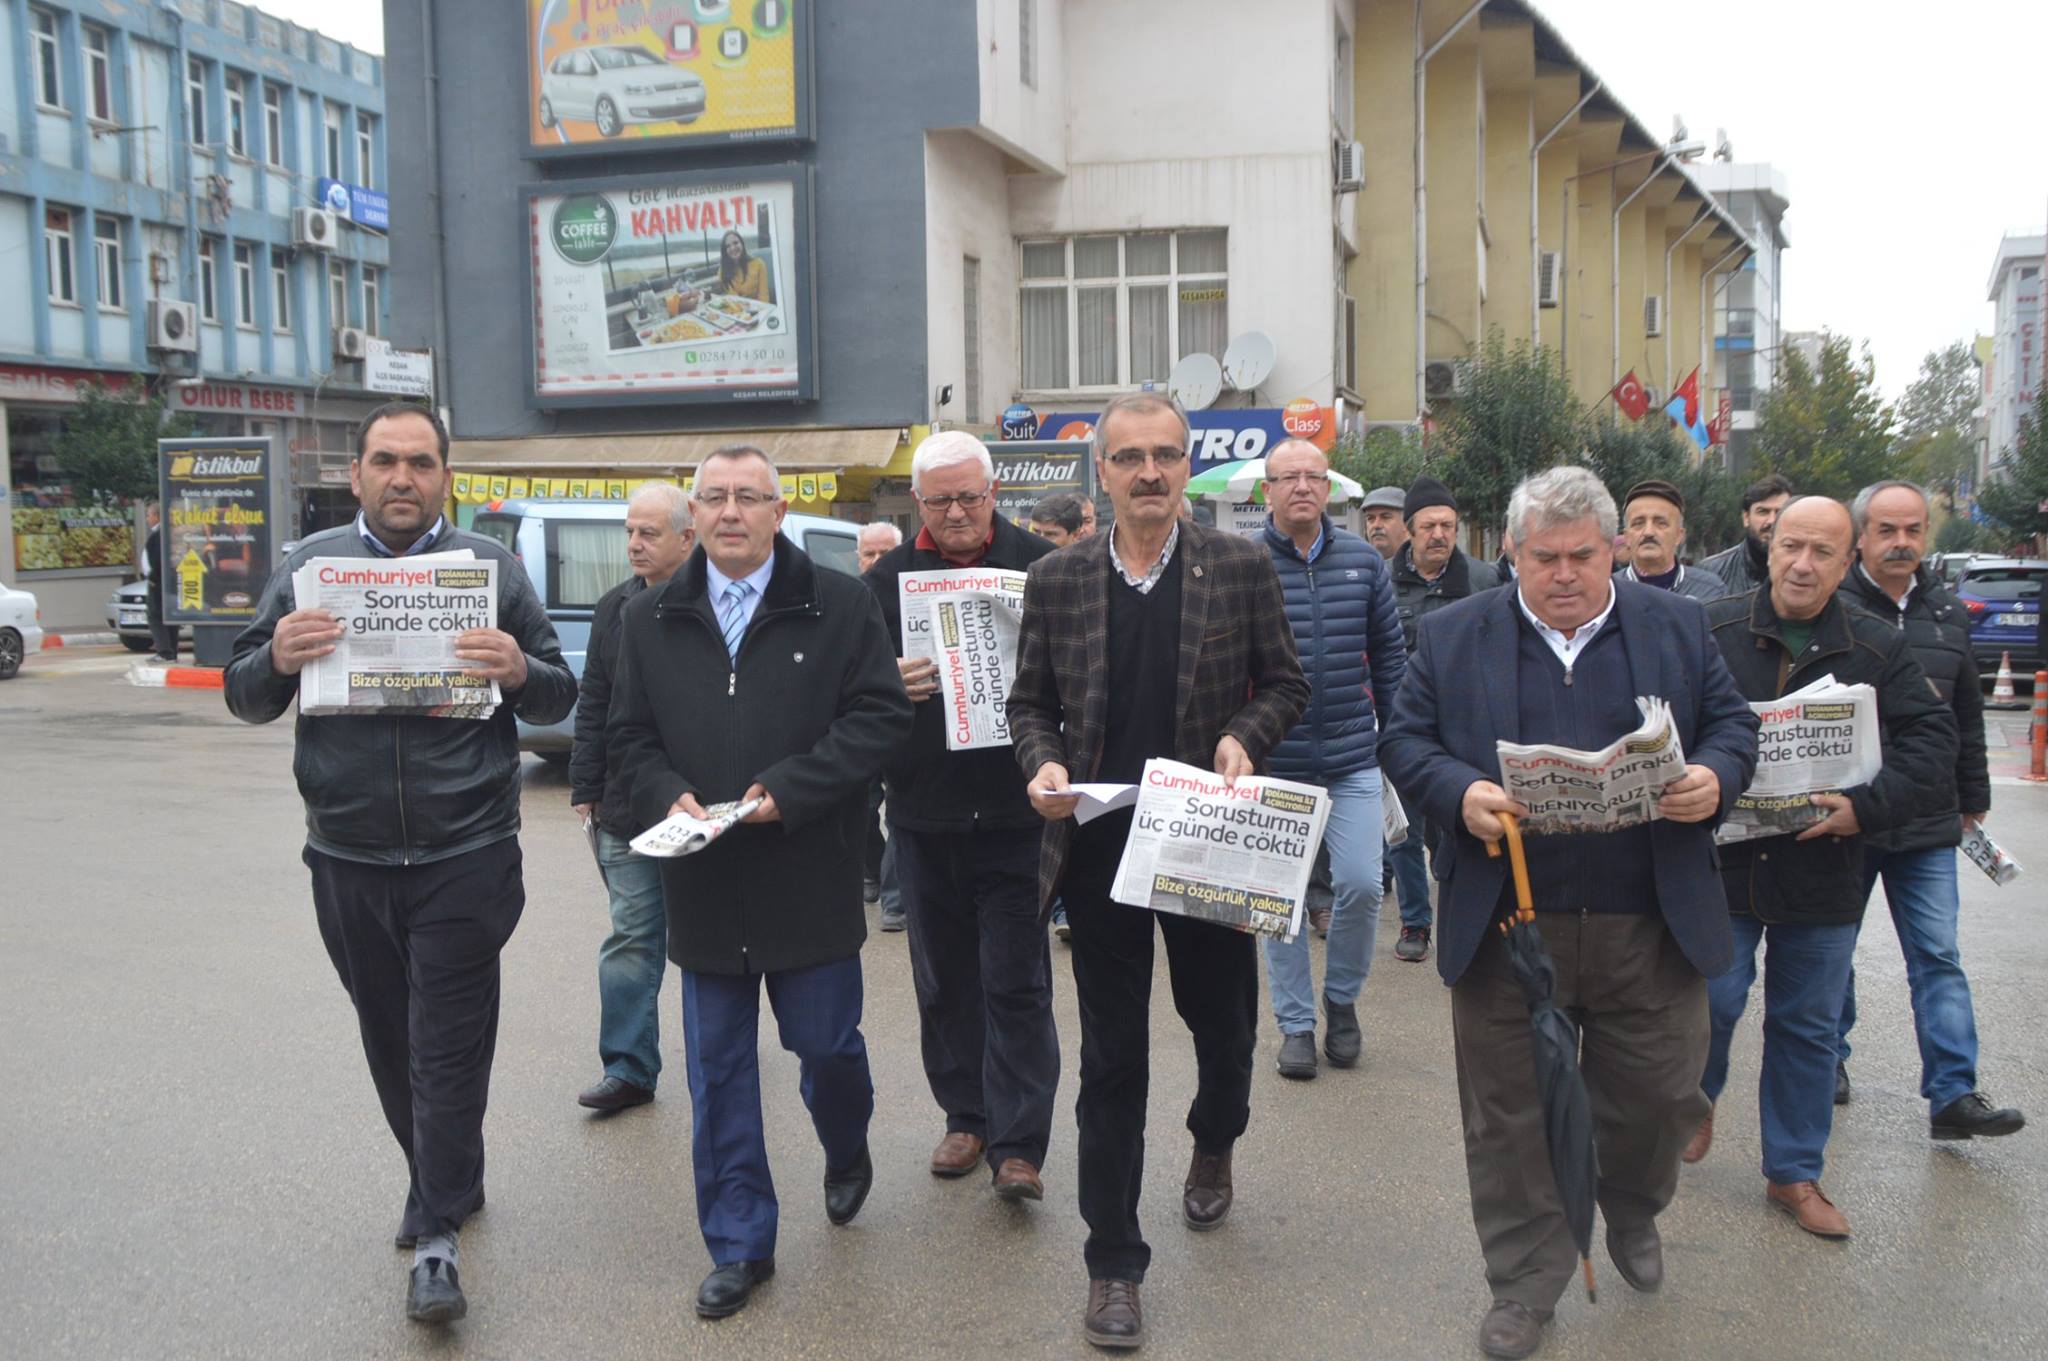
(1238, 671)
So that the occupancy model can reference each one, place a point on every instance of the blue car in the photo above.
(2003, 599)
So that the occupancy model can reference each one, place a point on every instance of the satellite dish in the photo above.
(1249, 360)
(1195, 382)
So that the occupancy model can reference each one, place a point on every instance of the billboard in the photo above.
(612, 75)
(217, 529)
(1030, 470)
(689, 287)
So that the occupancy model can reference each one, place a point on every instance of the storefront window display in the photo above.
(52, 531)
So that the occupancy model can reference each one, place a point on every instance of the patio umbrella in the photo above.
(1219, 480)
(1567, 1114)
(1251, 473)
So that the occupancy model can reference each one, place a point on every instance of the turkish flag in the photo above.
(1628, 394)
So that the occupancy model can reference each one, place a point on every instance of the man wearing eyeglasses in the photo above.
(1161, 638)
(966, 842)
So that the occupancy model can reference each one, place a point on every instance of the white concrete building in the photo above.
(2015, 375)
(1749, 309)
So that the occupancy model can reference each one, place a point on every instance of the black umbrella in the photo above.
(1567, 1114)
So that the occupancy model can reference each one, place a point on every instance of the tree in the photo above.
(2013, 500)
(107, 450)
(1517, 415)
(1826, 429)
(1937, 420)
(1381, 457)
(1624, 452)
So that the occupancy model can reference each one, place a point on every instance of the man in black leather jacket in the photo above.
(1747, 565)
(412, 834)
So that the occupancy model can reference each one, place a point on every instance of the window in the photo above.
(43, 28)
(195, 101)
(238, 134)
(57, 256)
(337, 293)
(280, 292)
(1027, 43)
(245, 287)
(99, 82)
(106, 241)
(209, 281)
(970, 312)
(365, 150)
(273, 124)
(331, 114)
(370, 307)
(588, 558)
(1116, 310)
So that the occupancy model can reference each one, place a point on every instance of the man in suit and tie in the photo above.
(1158, 639)
(1635, 918)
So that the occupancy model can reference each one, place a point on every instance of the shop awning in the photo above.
(790, 449)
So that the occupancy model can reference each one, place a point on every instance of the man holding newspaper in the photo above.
(1574, 658)
(409, 767)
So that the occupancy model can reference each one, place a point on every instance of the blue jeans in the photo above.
(1806, 969)
(1353, 836)
(1411, 871)
(629, 964)
(1921, 888)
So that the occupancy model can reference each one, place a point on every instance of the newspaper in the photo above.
(1989, 856)
(1393, 816)
(1820, 739)
(681, 834)
(966, 620)
(1595, 791)
(400, 618)
(1238, 856)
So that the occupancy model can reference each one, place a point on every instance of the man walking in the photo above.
(659, 535)
(1058, 518)
(878, 860)
(1653, 524)
(1340, 605)
(163, 636)
(1385, 529)
(1801, 894)
(1158, 639)
(1430, 572)
(1746, 566)
(412, 834)
(966, 842)
(1917, 861)
(755, 676)
(1634, 919)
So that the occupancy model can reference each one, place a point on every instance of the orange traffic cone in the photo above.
(2002, 695)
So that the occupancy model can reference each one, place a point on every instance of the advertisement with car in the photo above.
(678, 288)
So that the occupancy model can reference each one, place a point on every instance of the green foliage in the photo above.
(1828, 430)
(1937, 421)
(1958, 535)
(2012, 498)
(1625, 452)
(107, 450)
(1382, 457)
(1517, 416)
(1713, 509)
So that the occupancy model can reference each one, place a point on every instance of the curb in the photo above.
(56, 640)
(176, 677)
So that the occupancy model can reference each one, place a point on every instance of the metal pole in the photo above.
(1706, 214)
(1536, 217)
(1422, 56)
(1614, 259)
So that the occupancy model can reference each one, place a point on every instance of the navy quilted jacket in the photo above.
(1341, 608)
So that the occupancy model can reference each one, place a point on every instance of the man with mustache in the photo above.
(1747, 565)
(1918, 861)
(1385, 527)
(1653, 524)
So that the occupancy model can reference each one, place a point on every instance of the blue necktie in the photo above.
(732, 617)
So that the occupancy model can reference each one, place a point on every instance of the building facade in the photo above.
(1749, 304)
(166, 176)
(2015, 374)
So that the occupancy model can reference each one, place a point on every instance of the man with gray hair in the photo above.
(1635, 919)
(659, 537)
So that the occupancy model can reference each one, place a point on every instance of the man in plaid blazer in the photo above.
(1163, 639)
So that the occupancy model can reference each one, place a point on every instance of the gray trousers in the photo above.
(1642, 1013)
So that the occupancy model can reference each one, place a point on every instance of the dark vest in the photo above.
(1144, 674)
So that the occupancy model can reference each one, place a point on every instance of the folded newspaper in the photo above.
(400, 618)
(681, 834)
(1989, 856)
(1820, 739)
(966, 619)
(1595, 791)
(1237, 856)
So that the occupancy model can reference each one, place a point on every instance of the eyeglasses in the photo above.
(714, 498)
(966, 500)
(1126, 460)
(1306, 479)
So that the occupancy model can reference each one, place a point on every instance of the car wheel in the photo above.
(136, 644)
(547, 112)
(10, 653)
(607, 118)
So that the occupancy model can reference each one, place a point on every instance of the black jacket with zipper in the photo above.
(1820, 882)
(932, 789)
(1742, 568)
(810, 709)
(1938, 631)
(588, 782)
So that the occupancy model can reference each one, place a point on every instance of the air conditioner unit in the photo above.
(349, 342)
(173, 326)
(1653, 315)
(1549, 278)
(1349, 159)
(1444, 378)
(314, 228)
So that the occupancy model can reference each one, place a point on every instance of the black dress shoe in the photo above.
(614, 1094)
(1343, 1041)
(1842, 1089)
(846, 1192)
(434, 1294)
(1638, 1255)
(1974, 1117)
(726, 1290)
(1511, 1330)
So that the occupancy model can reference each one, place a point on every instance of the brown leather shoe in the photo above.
(1114, 1318)
(1205, 1196)
(958, 1154)
(1018, 1180)
(1702, 1140)
(1319, 921)
(1809, 1208)
(1512, 1330)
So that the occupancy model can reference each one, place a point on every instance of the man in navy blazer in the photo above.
(1636, 919)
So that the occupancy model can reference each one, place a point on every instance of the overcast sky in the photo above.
(1911, 135)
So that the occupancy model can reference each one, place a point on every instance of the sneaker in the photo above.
(1842, 1091)
(871, 890)
(1059, 925)
(892, 917)
(1973, 1116)
(1298, 1055)
(1413, 945)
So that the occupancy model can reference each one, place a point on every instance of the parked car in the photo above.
(575, 551)
(612, 86)
(1949, 566)
(128, 615)
(2003, 599)
(21, 629)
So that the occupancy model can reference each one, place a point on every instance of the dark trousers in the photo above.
(1642, 1013)
(1215, 977)
(983, 970)
(817, 1012)
(162, 635)
(417, 948)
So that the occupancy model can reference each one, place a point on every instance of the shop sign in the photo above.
(607, 76)
(216, 499)
(687, 287)
(1220, 436)
(403, 373)
(1028, 471)
(235, 399)
(34, 383)
(1019, 422)
(353, 203)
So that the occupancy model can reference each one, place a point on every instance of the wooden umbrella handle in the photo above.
(1518, 864)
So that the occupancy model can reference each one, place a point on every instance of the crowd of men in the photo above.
(729, 667)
